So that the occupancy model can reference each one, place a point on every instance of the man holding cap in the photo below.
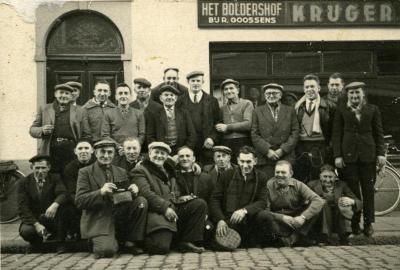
(77, 90)
(358, 145)
(112, 214)
(275, 130)
(157, 183)
(237, 115)
(171, 77)
(222, 162)
(205, 114)
(171, 124)
(59, 126)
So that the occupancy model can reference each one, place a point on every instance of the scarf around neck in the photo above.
(316, 128)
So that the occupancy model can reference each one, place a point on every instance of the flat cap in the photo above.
(354, 85)
(39, 157)
(223, 149)
(63, 86)
(272, 86)
(104, 143)
(171, 68)
(75, 85)
(169, 88)
(194, 73)
(228, 81)
(346, 211)
(142, 81)
(160, 145)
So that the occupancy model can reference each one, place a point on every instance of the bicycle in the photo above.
(387, 185)
(9, 180)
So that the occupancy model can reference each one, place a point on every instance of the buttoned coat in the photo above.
(203, 185)
(95, 115)
(212, 171)
(46, 116)
(358, 140)
(267, 134)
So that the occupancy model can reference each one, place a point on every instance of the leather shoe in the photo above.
(190, 247)
(368, 230)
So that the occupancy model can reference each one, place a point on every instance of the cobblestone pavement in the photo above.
(339, 257)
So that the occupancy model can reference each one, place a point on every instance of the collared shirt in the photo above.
(39, 184)
(143, 104)
(308, 101)
(99, 103)
(199, 95)
(274, 110)
(170, 112)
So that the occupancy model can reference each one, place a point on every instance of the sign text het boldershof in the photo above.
(236, 13)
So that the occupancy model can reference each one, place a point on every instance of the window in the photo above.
(296, 63)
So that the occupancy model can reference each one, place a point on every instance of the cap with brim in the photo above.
(104, 143)
(221, 148)
(169, 88)
(160, 145)
(272, 86)
(171, 68)
(194, 74)
(39, 158)
(227, 81)
(230, 241)
(346, 211)
(142, 81)
(354, 85)
(64, 87)
(75, 85)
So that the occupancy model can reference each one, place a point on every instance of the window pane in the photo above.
(388, 62)
(236, 65)
(349, 61)
(296, 63)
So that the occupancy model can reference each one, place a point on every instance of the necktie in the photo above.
(40, 186)
(109, 178)
(195, 98)
(309, 109)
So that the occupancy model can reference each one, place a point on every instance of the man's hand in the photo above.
(288, 220)
(208, 143)
(298, 221)
(279, 153)
(39, 228)
(108, 188)
(221, 127)
(222, 228)
(47, 129)
(381, 160)
(171, 215)
(346, 201)
(238, 216)
(52, 210)
(339, 163)
(134, 189)
(196, 169)
(272, 155)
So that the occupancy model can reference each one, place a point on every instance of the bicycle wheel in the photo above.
(387, 191)
(9, 195)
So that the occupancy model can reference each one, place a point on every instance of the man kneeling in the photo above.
(111, 216)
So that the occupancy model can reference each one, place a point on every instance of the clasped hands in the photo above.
(294, 222)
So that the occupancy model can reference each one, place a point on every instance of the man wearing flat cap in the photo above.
(358, 145)
(237, 117)
(275, 130)
(59, 126)
(171, 77)
(77, 86)
(171, 124)
(205, 114)
(41, 197)
(222, 162)
(157, 183)
(113, 216)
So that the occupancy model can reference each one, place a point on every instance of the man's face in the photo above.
(122, 95)
(143, 92)
(311, 89)
(196, 83)
(158, 156)
(186, 158)
(282, 173)
(75, 94)
(355, 96)
(105, 155)
(231, 91)
(335, 86)
(246, 162)
(63, 96)
(132, 150)
(40, 169)
(171, 77)
(101, 92)
(222, 160)
(327, 179)
(168, 98)
(83, 151)
(272, 95)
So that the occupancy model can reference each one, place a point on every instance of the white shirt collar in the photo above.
(199, 95)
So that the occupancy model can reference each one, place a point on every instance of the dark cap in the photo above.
(229, 81)
(194, 73)
(63, 86)
(223, 149)
(104, 143)
(142, 81)
(40, 157)
(161, 145)
(75, 85)
(168, 88)
(354, 85)
(272, 86)
(171, 68)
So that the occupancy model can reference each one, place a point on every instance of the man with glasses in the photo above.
(171, 77)
(275, 130)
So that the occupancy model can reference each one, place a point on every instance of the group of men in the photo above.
(172, 168)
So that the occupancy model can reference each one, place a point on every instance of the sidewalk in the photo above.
(387, 232)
